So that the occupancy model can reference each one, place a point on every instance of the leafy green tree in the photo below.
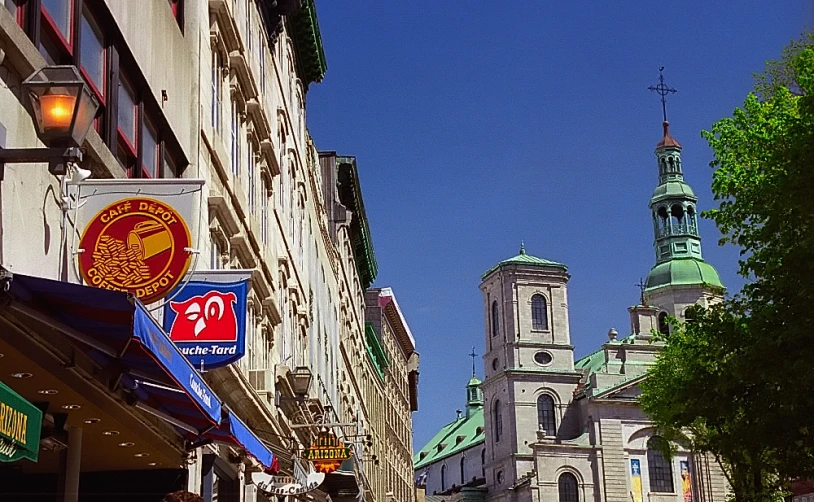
(738, 381)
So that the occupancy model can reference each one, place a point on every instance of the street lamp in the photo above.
(64, 108)
(301, 378)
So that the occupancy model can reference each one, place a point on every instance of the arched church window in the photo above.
(658, 467)
(545, 415)
(664, 326)
(539, 312)
(483, 462)
(692, 221)
(443, 477)
(497, 418)
(463, 474)
(568, 487)
(495, 319)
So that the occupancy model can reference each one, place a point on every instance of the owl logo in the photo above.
(205, 318)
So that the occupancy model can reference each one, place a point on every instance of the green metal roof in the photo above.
(474, 381)
(350, 194)
(308, 43)
(525, 259)
(448, 436)
(682, 272)
(673, 190)
(375, 350)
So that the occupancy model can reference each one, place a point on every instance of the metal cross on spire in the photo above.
(642, 287)
(662, 90)
(473, 355)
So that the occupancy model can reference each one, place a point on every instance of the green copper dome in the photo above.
(525, 259)
(671, 190)
(677, 272)
(473, 382)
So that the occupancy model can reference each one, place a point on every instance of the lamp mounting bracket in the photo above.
(57, 158)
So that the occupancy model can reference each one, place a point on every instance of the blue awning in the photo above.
(117, 332)
(120, 335)
(233, 431)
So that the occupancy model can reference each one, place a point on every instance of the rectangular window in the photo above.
(169, 168)
(235, 132)
(262, 48)
(249, 25)
(127, 113)
(214, 254)
(11, 6)
(264, 215)
(251, 188)
(149, 149)
(58, 13)
(92, 53)
(216, 89)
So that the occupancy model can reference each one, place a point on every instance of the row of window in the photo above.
(73, 32)
(539, 314)
(463, 470)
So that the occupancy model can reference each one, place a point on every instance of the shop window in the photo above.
(127, 114)
(92, 54)
(149, 149)
(59, 15)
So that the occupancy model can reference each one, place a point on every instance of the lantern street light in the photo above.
(64, 108)
(301, 377)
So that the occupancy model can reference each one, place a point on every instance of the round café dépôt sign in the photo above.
(138, 245)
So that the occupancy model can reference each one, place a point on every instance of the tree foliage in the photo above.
(738, 381)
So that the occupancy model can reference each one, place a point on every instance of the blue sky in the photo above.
(480, 124)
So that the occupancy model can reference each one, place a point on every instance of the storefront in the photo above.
(112, 409)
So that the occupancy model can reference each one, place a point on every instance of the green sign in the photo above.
(20, 423)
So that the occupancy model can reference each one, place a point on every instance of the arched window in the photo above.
(569, 491)
(495, 319)
(497, 418)
(545, 415)
(539, 312)
(463, 474)
(664, 327)
(659, 468)
(443, 477)
(483, 463)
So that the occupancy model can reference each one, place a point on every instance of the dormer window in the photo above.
(479, 430)
(459, 439)
(441, 446)
(422, 455)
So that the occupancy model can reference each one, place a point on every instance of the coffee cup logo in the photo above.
(138, 245)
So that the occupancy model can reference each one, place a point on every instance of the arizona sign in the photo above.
(327, 453)
(139, 245)
(206, 318)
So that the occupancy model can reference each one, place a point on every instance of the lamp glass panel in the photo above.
(84, 116)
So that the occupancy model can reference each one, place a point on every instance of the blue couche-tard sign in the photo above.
(206, 317)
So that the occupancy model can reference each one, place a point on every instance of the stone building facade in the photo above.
(214, 91)
(559, 429)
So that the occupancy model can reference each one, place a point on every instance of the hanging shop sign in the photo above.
(327, 453)
(20, 423)
(305, 479)
(136, 235)
(206, 317)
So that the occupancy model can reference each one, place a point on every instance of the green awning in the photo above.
(20, 423)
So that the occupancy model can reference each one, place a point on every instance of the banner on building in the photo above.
(305, 479)
(137, 236)
(206, 317)
(686, 480)
(327, 452)
(636, 480)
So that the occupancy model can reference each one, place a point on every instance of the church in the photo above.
(543, 427)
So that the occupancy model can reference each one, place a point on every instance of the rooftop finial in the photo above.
(662, 90)
(522, 247)
(642, 286)
(473, 355)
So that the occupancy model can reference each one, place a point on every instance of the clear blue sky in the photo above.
(477, 124)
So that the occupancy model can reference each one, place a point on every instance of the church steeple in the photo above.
(673, 207)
